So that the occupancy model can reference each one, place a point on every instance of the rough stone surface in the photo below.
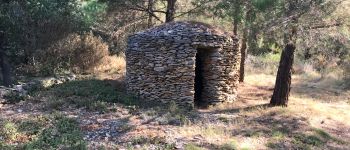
(161, 63)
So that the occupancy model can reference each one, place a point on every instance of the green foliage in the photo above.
(94, 95)
(277, 135)
(229, 146)
(317, 139)
(98, 89)
(179, 113)
(8, 130)
(5, 146)
(34, 24)
(224, 119)
(191, 146)
(269, 62)
(160, 142)
(325, 50)
(13, 97)
(264, 5)
(91, 105)
(45, 132)
(307, 140)
(33, 126)
(30, 27)
(90, 94)
(64, 134)
(93, 10)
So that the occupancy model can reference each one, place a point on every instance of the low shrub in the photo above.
(75, 53)
(229, 146)
(13, 97)
(54, 131)
(8, 131)
(64, 133)
(267, 63)
(191, 146)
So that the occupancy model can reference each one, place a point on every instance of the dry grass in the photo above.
(317, 117)
(253, 125)
(111, 65)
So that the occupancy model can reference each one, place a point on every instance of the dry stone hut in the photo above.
(186, 62)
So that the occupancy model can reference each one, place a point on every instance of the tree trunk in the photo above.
(170, 12)
(235, 27)
(4, 63)
(150, 9)
(5, 69)
(284, 76)
(236, 19)
(243, 55)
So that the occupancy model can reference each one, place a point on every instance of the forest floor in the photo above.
(94, 113)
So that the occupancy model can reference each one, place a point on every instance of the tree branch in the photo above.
(147, 11)
(320, 26)
(140, 8)
(193, 9)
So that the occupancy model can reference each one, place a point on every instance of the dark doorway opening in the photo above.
(202, 57)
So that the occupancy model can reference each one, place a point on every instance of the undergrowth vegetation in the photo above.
(53, 131)
(92, 94)
(75, 53)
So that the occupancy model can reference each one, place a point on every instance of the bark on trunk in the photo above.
(235, 27)
(4, 63)
(150, 9)
(5, 69)
(236, 19)
(170, 12)
(243, 56)
(284, 76)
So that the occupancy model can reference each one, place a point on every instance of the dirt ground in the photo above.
(317, 117)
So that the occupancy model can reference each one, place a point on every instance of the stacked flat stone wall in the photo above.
(161, 64)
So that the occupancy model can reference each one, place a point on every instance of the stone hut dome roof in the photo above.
(186, 62)
(184, 29)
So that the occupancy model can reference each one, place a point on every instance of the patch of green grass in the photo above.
(270, 57)
(318, 138)
(96, 89)
(55, 104)
(64, 133)
(43, 132)
(229, 146)
(277, 135)
(277, 138)
(33, 126)
(91, 94)
(8, 131)
(183, 119)
(191, 146)
(178, 114)
(327, 137)
(272, 144)
(323, 134)
(223, 119)
(4, 146)
(252, 133)
(91, 105)
(303, 141)
(155, 140)
(141, 140)
(13, 97)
